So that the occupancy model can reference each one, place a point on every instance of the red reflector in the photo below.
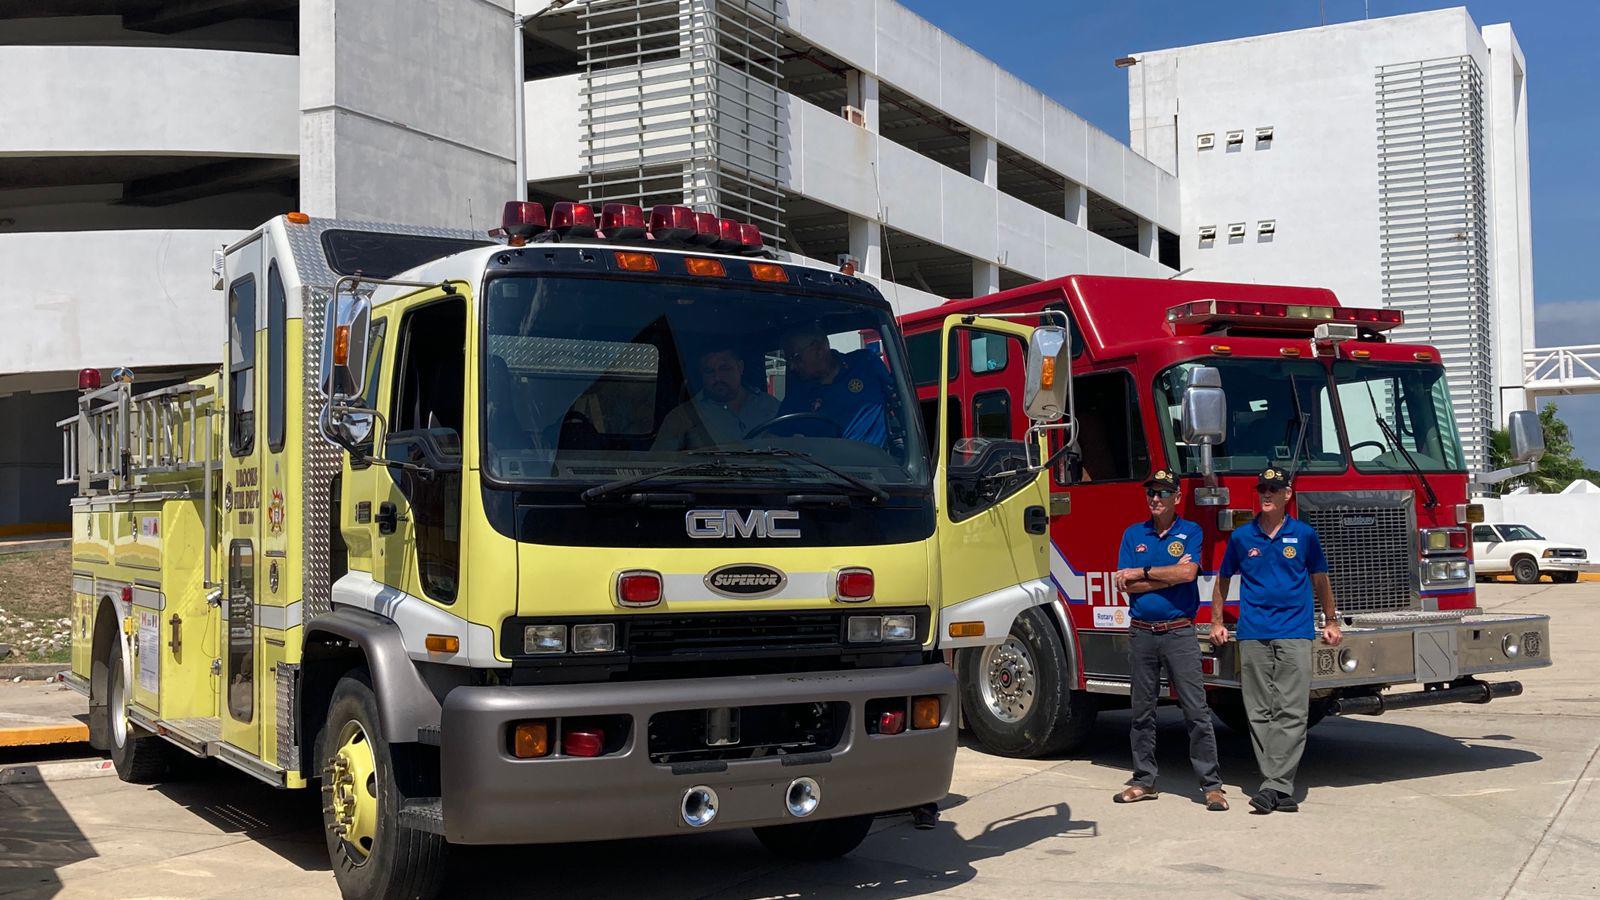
(638, 588)
(1208, 665)
(892, 722)
(522, 218)
(127, 595)
(671, 223)
(622, 220)
(855, 584)
(588, 742)
(705, 229)
(576, 219)
(88, 379)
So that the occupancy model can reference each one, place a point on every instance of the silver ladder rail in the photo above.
(118, 439)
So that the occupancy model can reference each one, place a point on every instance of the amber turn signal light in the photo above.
(925, 713)
(443, 643)
(531, 740)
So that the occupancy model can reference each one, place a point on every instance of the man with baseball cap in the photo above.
(1157, 564)
(1280, 563)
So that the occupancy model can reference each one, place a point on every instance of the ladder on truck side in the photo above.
(122, 442)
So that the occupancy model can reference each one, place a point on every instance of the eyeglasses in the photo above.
(1158, 492)
(1265, 491)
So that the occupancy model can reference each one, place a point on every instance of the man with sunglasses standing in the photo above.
(1280, 562)
(1158, 562)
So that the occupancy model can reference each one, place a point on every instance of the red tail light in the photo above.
(671, 223)
(88, 379)
(622, 220)
(892, 722)
(576, 219)
(585, 742)
(705, 229)
(638, 587)
(854, 585)
(1458, 540)
(522, 218)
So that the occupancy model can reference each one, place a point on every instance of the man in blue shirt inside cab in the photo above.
(1157, 564)
(848, 389)
(1280, 562)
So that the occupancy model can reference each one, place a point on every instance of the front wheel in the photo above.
(814, 841)
(373, 854)
(1525, 570)
(1017, 695)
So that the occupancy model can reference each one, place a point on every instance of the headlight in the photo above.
(1510, 647)
(899, 629)
(1548, 553)
(599, 638)
(864, 629)
(1441, 570)
(1348, 661)
(544, 639)
(896, 629)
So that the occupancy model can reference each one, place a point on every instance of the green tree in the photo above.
(1560, 465)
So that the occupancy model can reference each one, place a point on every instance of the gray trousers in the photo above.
(1178, 652)
(1277, 697)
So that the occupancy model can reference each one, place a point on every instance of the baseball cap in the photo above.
(1163, 479)
(1272, 478)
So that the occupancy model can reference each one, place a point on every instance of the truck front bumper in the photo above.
(1424, 653)
(1567, 564)
(489, 796)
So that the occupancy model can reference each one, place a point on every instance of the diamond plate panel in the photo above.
(568, 356)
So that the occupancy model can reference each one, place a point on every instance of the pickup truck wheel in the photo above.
(1017, 696)
(814, 841)
(1525, 569)
(1564, 577)
(139, 756)
(373, 854)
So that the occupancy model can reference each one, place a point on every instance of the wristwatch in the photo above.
(1146, 573)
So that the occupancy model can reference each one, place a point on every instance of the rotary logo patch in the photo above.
(1175, 548)
(1288, 553)
(855, 385)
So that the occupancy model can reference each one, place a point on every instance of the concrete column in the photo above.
(1510, 221)
(984, 159)
(866, 245)
(1077, 206)
(862, 88)
(1149, 245)
(387, 139)
(985, 278)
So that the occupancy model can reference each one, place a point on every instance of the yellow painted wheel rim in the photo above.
(352, 782)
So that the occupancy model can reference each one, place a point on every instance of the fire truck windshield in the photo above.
(1269, 398)
(595, 381)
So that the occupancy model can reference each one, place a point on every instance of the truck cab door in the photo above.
(992, 497)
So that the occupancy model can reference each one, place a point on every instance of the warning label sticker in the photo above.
(149, 651)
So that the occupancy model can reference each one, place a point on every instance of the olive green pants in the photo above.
(1277, 697)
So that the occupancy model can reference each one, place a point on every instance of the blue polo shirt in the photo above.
(855, 399)
(1275, 596)
(1143, 546)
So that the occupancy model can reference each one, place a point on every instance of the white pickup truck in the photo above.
(1499, 548)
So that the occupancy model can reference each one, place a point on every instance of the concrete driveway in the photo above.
(1459, 801)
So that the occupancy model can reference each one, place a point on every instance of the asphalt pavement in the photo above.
(1459, 801)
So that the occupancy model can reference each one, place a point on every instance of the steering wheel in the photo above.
(1382, 448)
(788, 418)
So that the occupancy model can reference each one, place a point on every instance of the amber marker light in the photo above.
(706, 268)
(769, 272)
(925, 713)
(341, 345)
(530, 740)
(966, 629)
(443, 643)
(298, 218)
(634, 261)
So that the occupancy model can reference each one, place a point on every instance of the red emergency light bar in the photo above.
(1298, 317)
(667, 223)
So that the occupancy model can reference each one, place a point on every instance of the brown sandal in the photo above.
(1216, 801)
(1133, 793)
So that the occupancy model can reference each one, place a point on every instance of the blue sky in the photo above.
(1065, 48)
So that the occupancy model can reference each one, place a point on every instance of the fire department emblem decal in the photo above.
(1288, 553)
(855, 385)
(1254, 552)
(1139, 549)
(1175, 548)
(275, 512)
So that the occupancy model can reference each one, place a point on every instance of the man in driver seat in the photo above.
(847, 388)
(722, 412)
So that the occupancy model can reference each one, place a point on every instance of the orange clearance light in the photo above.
(443, 643)
(1422, 356)
(1288, 351)
(531, 740)
(769, 272)
(298, 218)
(1221, 349)
(1047, 374)
(925, 713)
(341, 345)
(1360, 354)
(966, 629)
(634, 261)
(710, 268)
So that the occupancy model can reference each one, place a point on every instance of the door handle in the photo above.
(1035, 520)
(388, 517)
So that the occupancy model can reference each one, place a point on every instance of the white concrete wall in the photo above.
(1572, 518)
(902, 49)
(554, 127)
(1319, 179)
(147, 100)
(1510, 215)
(109, 298)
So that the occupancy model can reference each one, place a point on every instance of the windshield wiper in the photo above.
(878, 494)
(1303, 419)
(1394, 444)
(709, 467)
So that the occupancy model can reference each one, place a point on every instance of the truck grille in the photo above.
(1569, 553)
(1370, 541)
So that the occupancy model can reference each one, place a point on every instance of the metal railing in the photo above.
(119, 439)
(1564, 370)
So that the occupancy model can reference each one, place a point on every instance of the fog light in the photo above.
(864, 629)
(803, 797)
(1348, 661)
(598, 638)
(544, 639)
(1510, 647)
(530, 740)
(926, 712)
(699, 806)
(899, 629)
(892, 722)
(583, 742)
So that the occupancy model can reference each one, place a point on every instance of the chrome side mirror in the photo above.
(1527, 436)
(1204, 414)
(347, 321)
(1046, 390)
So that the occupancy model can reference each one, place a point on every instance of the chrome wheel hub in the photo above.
(1007, 680)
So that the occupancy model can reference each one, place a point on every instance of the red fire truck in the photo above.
(1216, 382)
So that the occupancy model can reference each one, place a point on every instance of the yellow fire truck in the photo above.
(618, 525)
